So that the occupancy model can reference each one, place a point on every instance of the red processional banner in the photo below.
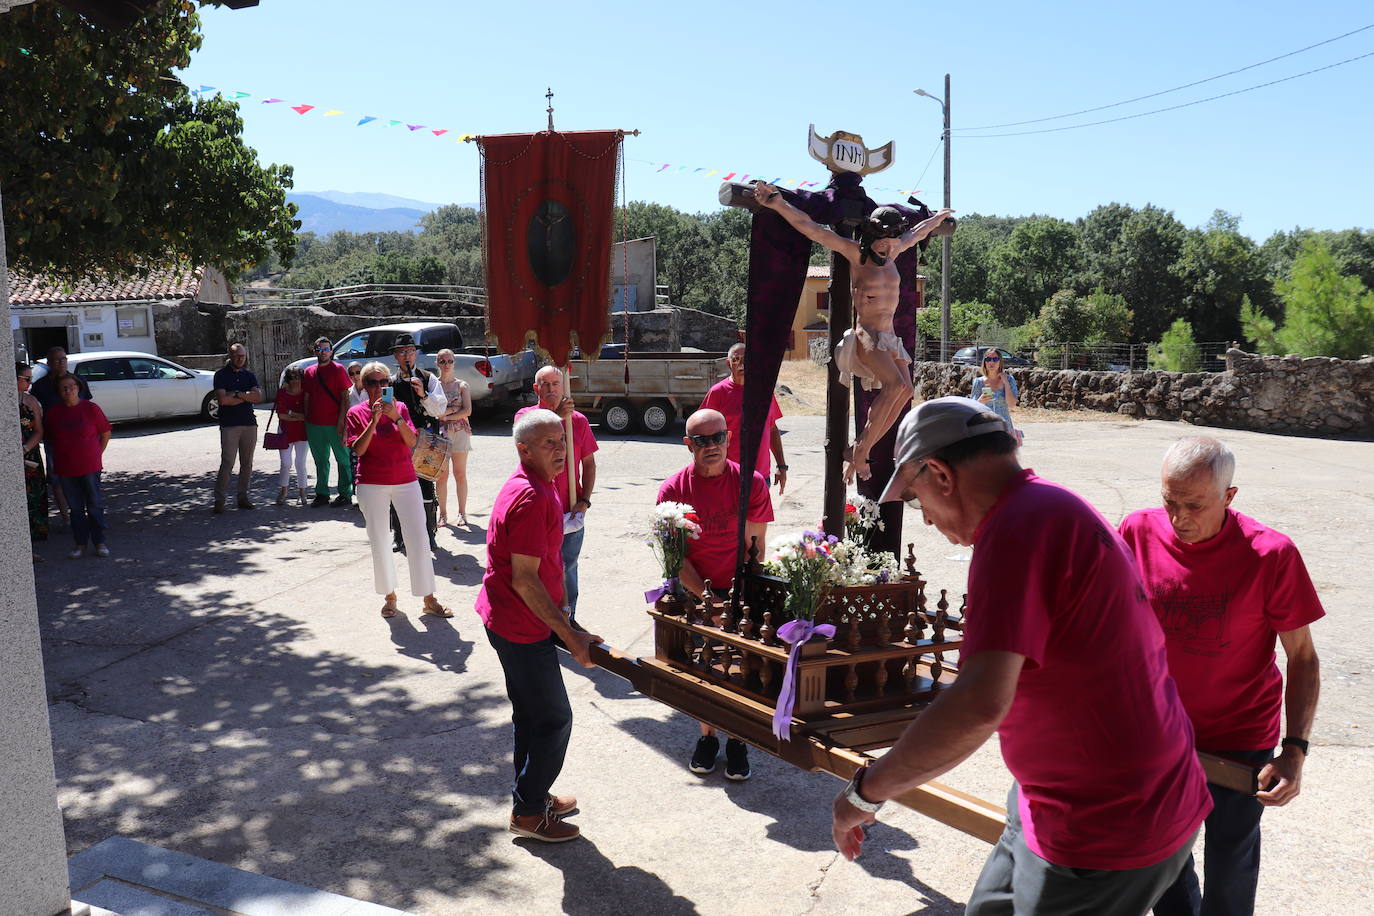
(548, 201)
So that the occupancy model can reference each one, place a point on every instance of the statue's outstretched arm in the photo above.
(925, 227)
(768, 196)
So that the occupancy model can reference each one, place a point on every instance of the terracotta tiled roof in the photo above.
(818, 270)
(164, 283)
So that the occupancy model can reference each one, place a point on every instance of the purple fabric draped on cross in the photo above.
(778, 256)
(796, 632)
(668, 587)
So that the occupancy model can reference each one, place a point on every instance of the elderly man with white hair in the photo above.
(1061, 657)
(548, 385)
(1226, 589)
(522, 607)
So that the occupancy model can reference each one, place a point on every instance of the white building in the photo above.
(101, 313)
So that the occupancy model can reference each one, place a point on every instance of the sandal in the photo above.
(437, 610)
(389, 610)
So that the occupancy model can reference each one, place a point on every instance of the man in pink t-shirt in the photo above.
(548, 385)
(325, 386)
(1225, 589)
(1062, 658)
(711, 486)
(521, 606)
(727, 396)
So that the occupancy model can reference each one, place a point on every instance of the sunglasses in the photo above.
(709, 439)
(354, 372)
(373, 382)
(445, 362)
(323, 348)
(992, 358)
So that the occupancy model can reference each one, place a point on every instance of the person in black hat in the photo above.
(1109, 795)
(419, 390)
(871, 349)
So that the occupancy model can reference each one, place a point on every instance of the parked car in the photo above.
(139, 386)
(492, 377)
(973, 356)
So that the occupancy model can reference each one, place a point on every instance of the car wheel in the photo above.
(209, 408)
(618, 417)
(656, 418)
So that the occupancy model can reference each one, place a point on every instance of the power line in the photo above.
(1051, 130)
(918, 181)
(1141, 98)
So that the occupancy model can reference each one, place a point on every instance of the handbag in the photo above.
(430, 454)
(275, 441)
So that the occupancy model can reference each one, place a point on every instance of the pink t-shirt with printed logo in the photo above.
(387, 460)
(716, 501)
(1222, 604)
(527, 520)
(1096, 737)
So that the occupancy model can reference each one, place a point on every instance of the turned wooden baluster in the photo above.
(937, 668)
(884, 626)
(941, 617)
(765, 674)
(726, 660)
(766, 632)
(854, 629)
(753, 555)
(912, 631)
(909, 673)
(708, 655)
(727, 619)
(746, 625)
(911, 560)
(963, 609)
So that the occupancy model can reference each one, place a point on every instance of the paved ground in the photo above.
(223, 686)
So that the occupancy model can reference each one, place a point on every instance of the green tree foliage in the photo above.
(1130, 253)
(107, 161)
(1219, 267)
(965, 319)
(971, 256)
(1040, 257)
(1325, 313)
(1177, 350)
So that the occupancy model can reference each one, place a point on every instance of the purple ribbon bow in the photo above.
(668, 587)
(796, 632)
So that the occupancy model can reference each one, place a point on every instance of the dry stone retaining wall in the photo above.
(1279, 394)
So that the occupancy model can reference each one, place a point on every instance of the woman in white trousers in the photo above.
(381, 434)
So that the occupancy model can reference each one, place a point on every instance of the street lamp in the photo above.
(945, 241)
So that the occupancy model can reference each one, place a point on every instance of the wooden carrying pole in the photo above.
(571, 445)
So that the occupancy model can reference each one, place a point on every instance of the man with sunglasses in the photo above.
(1063, 658)
(711, 486)
(326, 385)
(419, 390)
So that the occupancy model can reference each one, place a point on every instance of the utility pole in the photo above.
(946, 240)
(945, 244)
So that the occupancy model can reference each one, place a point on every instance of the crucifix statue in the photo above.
(870, 350)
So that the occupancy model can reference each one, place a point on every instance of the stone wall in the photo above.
(670, 329)
(188, 326)
(1278, 394)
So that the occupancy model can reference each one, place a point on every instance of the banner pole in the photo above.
(568, 435)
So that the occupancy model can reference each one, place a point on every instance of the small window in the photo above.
(436, 339)
(379, 343)
(823, 301)
(152, 369)
(132, 322)
(104, 370)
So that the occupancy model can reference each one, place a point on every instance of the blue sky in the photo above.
(733, 86)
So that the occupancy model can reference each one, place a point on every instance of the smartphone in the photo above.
(388, 395)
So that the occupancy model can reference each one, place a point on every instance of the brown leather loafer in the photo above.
(543, 827)
(560, 805)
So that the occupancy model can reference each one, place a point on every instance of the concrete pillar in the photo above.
(33, 851)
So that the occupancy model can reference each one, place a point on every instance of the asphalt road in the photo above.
(224, 686)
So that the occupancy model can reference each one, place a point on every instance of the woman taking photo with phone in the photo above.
(380, 432)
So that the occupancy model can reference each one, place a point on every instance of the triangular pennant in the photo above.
(331, 112)
(439, 133)
(414, 126)
(206, 89)
(242, 95)
(710, 173)
(728, 177)
(462, 138)
(392, 123)
(301, 109)
(666, 165)
(364, 120)
(270, 101)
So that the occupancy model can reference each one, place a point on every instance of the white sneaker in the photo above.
(76, 553)
(101, 550)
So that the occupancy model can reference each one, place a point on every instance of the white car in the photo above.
(139, 386)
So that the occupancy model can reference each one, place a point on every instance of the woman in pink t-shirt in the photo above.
(381, 435)
(290, 409)
(78, 432)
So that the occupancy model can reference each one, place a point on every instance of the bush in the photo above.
(1176, 351)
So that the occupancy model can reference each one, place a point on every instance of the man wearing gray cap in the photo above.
(1061, 657)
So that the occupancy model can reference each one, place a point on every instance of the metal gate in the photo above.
(271, 345)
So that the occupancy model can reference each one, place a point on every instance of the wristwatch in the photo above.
(782, 467)
(583, 499)
(851, 792)
(1299, 743)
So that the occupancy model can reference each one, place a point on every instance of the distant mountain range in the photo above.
(323, 212)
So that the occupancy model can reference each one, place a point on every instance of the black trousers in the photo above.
(540, 715)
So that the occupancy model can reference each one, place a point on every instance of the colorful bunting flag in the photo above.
(414, 127)
(270, 101)
(331, 112)
(301, 109)
(364, 120)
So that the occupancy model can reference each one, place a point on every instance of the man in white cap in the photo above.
(1063, 658)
